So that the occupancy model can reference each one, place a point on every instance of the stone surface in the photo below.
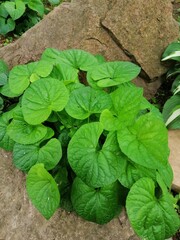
(143, 30)
(20, 220)
(120, 30)
(174, 159)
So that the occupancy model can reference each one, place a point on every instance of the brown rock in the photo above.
(20, 220)
(144, 30)
(174, 159)
(120, 30)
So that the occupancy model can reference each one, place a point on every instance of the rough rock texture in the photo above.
(143, 30)
(174, 145)
(19, 220)
(120, 30)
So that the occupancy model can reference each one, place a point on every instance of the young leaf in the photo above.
(21, 76)
(146, 142)
(85, 101)
(43, 97)
(113, 73)
(126, 105)
(15, 9)
(23, 133)
(152, 218)
(97, 205)
(42, 190)
(97, 166)
(25, 156)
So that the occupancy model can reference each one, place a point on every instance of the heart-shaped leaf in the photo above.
(23, 133)
(152, 217)
(15, 9)
(6, 25)
(21, 76)
(3, 12)
(130, 172)
(113, 73)
(74, 58)
(43, 97)
(97, 205)
(96, 164)
(42, 190)
(36, 5)
(5, 141)
(85, 101)
(146, 142)
(25, 156)
(61, 72)
(126, 105)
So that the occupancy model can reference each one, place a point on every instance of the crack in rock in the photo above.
(142, 74)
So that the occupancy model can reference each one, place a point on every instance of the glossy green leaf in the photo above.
(85, 101)
(39, 69)
(5, 91)
(148, 107)
(25, 156)
(3, 11)
(36, 5)
(126, 105)
(6, 25)
(43, 97)
(130, 172)
(97, 205)
(171, 105)
(15, 9)
(113, 73)
(175, 46)
(3, 67)
(166, 174)
(74, 58)
(152, 218)
(3, 79)
(54, 2)
(64, 73)
(146, 142)
(19, 79)
(5, 141)
(21, 76)
(96, 165)
(23, 133)
(42, 190)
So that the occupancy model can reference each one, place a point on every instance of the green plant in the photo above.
(171, 109)
(89, 141)
(20, 15)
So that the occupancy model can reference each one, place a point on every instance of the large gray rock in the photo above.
(134, 30)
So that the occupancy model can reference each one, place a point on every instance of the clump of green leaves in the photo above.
(89, 141)
(17, 16)
(171, 109)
